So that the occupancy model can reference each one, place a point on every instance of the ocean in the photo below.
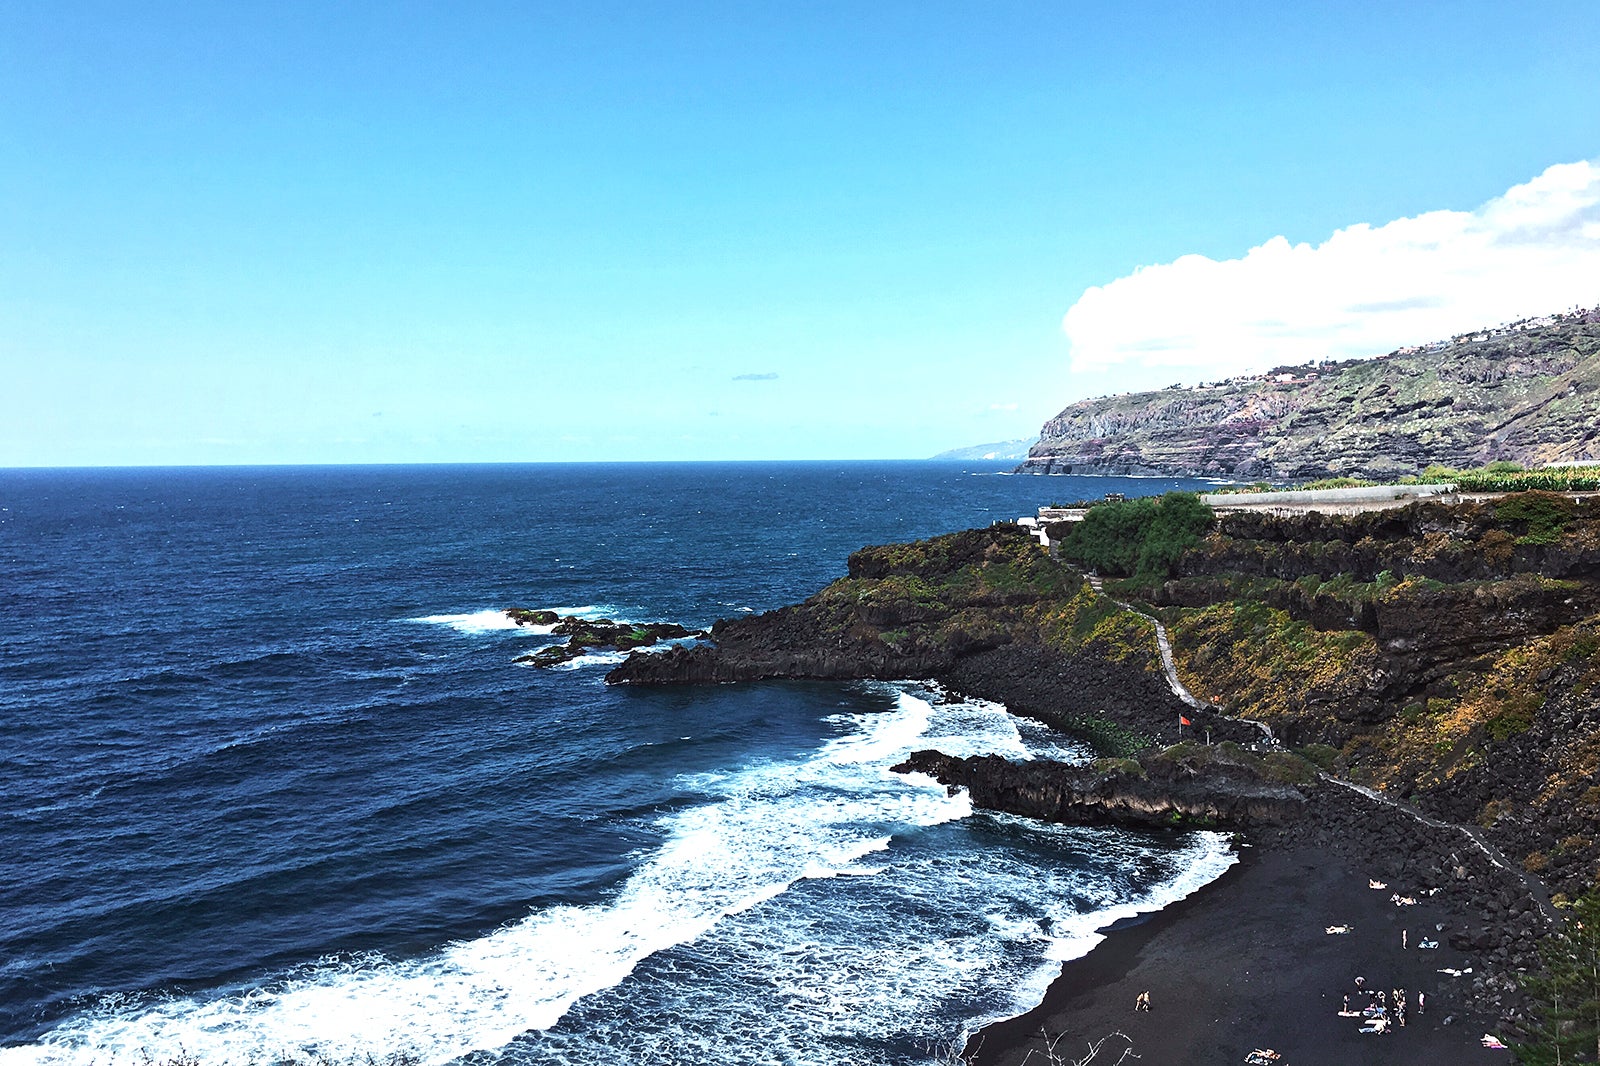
(273, 789)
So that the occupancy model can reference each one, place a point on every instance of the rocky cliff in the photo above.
(1445, 653)
(985, 611)
(1529, 395)
(1190, 785)
(1448, 654)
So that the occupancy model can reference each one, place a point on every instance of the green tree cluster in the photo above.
(1564, 998)
(1142, 538)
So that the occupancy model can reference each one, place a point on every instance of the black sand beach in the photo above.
(1246, 963)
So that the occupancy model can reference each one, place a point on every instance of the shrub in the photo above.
(1130, 767)
(1320, 755)
(1543, 516)
(1141, 538)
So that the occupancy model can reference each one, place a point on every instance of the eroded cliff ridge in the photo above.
(1529, 395)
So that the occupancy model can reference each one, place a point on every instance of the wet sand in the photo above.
(1246, 963)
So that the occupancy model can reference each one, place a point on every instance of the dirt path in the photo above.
(1170, 668)
(1474, 836)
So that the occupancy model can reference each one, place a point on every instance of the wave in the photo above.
(613, 657)
(496, 619)
(759, 830)
(751, 834)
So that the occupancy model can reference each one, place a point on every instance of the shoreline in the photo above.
(1245, 961)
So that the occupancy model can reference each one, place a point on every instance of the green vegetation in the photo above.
(1507, 477)
(1142, 538)
(1542, 515)
(525, 617)
(1322, 756)
(1336, 483)
(1498, 476)
(1105, 736)
(1131, 767)
(1564, 999)
(1267, 664)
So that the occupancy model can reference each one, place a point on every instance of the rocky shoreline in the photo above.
(1481, 917)
(585, 635)
(987, 614)
(1248, 961)
(1182, 787)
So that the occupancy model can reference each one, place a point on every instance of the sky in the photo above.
(409, 232)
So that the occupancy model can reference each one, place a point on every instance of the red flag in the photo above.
(1184, 721)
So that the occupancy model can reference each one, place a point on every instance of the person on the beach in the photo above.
(1142, 1001)
(1422, 1002)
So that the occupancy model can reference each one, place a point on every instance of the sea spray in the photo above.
(717, 889)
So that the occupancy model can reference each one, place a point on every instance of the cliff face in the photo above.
(1531, 396)
(1450, 654)
(985, 611)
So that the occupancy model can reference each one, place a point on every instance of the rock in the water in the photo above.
(601, 634)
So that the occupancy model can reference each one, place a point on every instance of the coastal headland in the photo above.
(1527, 392)
(1432, 672)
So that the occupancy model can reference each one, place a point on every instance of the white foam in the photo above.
(495, 619)
(764, 828)
(592, 658)
(485, 621)
(794, 977)
(883, 969)
(612, 657)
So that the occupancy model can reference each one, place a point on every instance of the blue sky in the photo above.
(238, 233)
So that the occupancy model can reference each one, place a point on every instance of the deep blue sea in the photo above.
(271, 785)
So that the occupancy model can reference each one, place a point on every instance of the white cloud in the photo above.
(1365, 290)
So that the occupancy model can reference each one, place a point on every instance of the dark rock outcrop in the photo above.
(983, 610)
(595, 634)
(790, 642)
(1161, 791)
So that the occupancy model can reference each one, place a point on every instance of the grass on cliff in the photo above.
(1265, 664)
(978, 584)
(970, 591)
(1495, 477)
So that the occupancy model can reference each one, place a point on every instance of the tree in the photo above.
(1143, 537)
(1565, 996)
(1180, 521)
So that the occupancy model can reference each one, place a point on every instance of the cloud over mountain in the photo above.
(1363, 291)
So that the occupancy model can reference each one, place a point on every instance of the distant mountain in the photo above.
(1528, 392)
(1004, 451)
